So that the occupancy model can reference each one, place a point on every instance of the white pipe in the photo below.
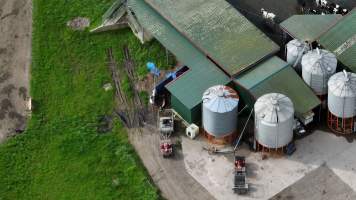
(345, 73)
(243, 131)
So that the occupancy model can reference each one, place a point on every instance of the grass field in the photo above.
(61, 155)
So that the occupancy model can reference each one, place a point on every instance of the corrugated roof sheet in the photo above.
(218, 30)
(309, 27)
(341, 39)
(288, 82)
(203, 74)
(260, 72)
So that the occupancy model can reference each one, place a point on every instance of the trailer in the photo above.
(166, 128)
(240, 185)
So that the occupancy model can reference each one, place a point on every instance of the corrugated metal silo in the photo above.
(317, 67)
(342, 94)
(295, 50)
(274, 119)
(220, 104)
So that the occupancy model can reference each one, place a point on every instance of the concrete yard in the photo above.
(267, 178)
(323, 167)
(15, 60)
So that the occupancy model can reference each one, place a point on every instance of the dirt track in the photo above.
(15, 60)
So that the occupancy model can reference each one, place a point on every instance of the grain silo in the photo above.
(318, 66)
(220, 106)
(295, 50)
(274, 120)
(342, 102)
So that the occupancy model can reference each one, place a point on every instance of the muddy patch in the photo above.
(23, 93)
(2, 115)
(13, 12)
(4, 76)
(5, 105)
(15, 115)
(7, 90)
(2, 51)
(21, 121)
(79, 23)
(17, 6)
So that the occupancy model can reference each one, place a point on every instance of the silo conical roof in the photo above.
(319, 61)
(297, 46)
(343, 84)
(274, 108)
(219, 117)
(295, 51)
(220, 99)
(274, 119)
(317, 67)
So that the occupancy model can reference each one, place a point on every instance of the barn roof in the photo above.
(270, 75)
(189, 87)
(341, 40)
(285, 81)
(309, 27)
(218, 30)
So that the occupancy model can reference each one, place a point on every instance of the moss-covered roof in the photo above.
(189, 87)
(218, 30)
(309, 27)
(288, 82)
(341, 40)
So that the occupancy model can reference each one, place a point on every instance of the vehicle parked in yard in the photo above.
(166, 147)
(166, 128)
(240, 185)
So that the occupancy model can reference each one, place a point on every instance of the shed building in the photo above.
(187, 90)
(219, 46)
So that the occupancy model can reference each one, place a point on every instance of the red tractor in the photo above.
(166, 148)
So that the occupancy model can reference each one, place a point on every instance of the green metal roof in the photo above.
(203, 74)
(309, 27)
(288, 82)
(271, 75)
(260, 72)
(113, 10)
(341, 39)
(218, 30)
